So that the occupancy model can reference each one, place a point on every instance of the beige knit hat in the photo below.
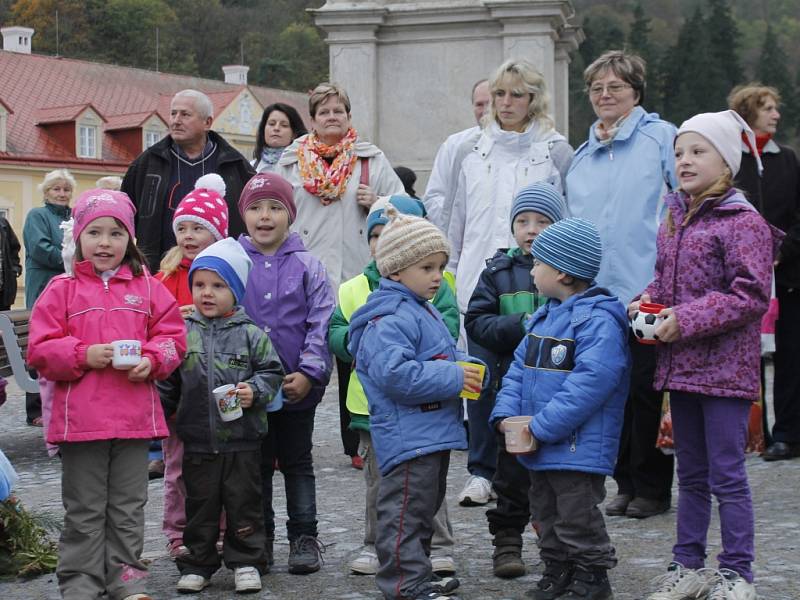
(405, 240)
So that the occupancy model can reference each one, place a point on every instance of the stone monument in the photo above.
(409, 65)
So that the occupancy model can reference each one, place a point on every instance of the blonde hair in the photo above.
(716, 190)
(748, 99)
(169, 264)
(532, 83)
(53, 177)
(110, 182)
(324, 91)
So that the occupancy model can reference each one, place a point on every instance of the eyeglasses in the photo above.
(613, 88)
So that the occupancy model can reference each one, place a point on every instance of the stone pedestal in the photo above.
(409, 66)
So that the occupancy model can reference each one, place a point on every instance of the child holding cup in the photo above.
(405, 359)
(222, 457)
(103, 418)
(570, 378)
(714, 263)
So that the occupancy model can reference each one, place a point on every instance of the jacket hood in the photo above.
(363, 149)
(292, 244)
(239, 317)
(492, 135)
(582, 305)
(638, 118)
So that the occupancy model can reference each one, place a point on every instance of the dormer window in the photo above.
(151, 138)
(87, 141)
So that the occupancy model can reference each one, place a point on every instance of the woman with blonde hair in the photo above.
(517, 146)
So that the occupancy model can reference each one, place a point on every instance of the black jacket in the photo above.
(778, 200)
(11, 265)
(503, 299)
(148, 178)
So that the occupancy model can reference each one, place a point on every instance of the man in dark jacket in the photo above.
(164, 173)
(10, 267)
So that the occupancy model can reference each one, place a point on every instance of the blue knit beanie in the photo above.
(540, 197)
(572, 246)
(405, 205)
(227, 259)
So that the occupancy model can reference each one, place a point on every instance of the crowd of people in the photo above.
(513, 280)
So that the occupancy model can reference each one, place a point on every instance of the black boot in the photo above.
(554, 582)
(268, 550)
(507, 557)
(589, 584)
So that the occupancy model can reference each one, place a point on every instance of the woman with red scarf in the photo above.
(776, 195)
(336, 178)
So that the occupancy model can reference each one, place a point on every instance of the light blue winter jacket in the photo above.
(404, 357)
(571, 374)
(619, 187)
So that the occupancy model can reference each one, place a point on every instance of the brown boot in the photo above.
(507, 558)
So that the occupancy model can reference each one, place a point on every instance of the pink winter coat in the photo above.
(77, 311)
(716, 272)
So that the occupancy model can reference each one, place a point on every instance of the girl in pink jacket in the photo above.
(103, 418)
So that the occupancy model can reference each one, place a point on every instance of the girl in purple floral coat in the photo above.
(713, 272)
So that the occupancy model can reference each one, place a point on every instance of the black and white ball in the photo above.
(644, 326)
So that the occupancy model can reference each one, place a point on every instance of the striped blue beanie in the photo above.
(227, 259)
(572, 246)
(405, 205)
(540, 197)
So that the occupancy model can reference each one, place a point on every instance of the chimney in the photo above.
(17, 39)
(236, 74)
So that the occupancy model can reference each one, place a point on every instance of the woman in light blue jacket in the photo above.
(617, 180)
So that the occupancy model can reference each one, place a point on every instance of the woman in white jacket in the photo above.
(517, 146)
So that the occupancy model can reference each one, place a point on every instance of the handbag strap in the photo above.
(364, 180)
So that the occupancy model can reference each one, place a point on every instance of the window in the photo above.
(151, 138)
(87, 141)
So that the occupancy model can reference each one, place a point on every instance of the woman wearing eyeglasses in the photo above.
(616, 180)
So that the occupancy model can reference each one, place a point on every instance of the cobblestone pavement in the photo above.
(643, 546)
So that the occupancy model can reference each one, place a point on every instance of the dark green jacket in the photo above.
(42, 237)
(221, 351)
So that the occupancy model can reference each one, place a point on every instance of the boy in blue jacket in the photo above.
(404, 356)
(570, 374)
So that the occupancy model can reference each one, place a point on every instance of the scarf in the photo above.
(761, 141)
(327, 181)
(606, 135)
(270, 156)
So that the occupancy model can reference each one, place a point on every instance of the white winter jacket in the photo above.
(500, 164)
(337, 234)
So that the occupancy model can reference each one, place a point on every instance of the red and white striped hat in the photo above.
(205, 205)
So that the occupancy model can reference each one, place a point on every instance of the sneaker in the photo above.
(428, 595)
(188, 584)
(729, 585)
(507, 556)
(588, 584)
(176, 549)
(138, 597)
(357, 462)
(305, 555)
(443, 585)
(443, 565)
(365, 563)
(477, 492)
(679, 583)
(554, 582)
(247, 580)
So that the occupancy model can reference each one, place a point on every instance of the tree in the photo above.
(299, 59)
(639, 43)
(773, 70)
(723, 35)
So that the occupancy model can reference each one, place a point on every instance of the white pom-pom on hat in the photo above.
(211, 181)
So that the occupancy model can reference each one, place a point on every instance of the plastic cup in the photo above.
(518, 435)
(469, 394)
(645, 323)
(226, 398)
(127, 354)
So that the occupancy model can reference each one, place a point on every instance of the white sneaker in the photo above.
(365, 563)
(477, 492)
(191, 583)
(729, 585)
(443, 565)
(247, 579)
(679, 583)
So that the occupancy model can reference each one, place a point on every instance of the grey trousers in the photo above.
(104, 490)
(442, 542)
(408, 498)
(565, 503)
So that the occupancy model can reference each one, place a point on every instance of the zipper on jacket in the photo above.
(573, 441)
(212, 421)
(679, 235)
(611, 151)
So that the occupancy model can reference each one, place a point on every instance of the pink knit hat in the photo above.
(268, 186)
(96, 203)
(205, 205)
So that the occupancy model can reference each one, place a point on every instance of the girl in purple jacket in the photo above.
(713, 271)
(288, 294)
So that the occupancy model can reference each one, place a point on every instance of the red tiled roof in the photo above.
(36, 87)
(128, 121)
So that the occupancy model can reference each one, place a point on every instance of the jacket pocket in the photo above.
(147, 202)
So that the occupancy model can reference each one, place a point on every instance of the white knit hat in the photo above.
(405, 240)
(227, 259)
(724, 131)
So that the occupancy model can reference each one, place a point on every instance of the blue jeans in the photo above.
(289, 440)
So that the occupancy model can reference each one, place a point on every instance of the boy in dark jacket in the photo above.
(221, 462)
(570, 375)
(502, 302)
(404, 356)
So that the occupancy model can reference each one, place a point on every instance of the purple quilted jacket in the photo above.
(716, 271)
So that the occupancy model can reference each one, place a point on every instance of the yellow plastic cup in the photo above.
(469, 394)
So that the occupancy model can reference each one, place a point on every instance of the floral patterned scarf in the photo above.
(327, 181)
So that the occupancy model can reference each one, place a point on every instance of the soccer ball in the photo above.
(644, 326)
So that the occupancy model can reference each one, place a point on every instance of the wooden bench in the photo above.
(14, 348)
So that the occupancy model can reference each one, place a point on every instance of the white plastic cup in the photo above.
(226, 397)
(127, 354)
(518, 435)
